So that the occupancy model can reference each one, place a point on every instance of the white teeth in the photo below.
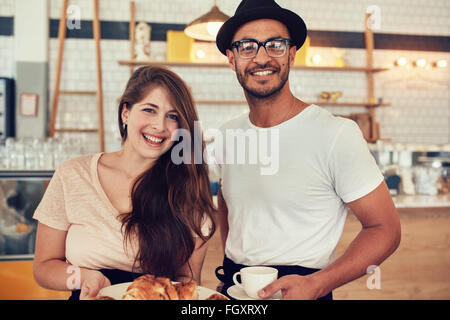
(263, 73)
(153, 139)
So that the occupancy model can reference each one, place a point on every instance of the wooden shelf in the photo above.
(319, 103)
(371, 136)
(351, 104)
(76, 130)
(225, 65)
(72, 92)
(13, 174)
(171, 63)
(224, 102)
(348, 69)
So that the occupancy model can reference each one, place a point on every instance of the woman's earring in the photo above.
(124, 127)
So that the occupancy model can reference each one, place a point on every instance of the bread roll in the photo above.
(187, 291)
(149, 287)
(103, 298)
(217, 296)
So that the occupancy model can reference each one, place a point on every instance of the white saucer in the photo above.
(239, 294)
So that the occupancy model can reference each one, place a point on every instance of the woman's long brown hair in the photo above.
(170, 202)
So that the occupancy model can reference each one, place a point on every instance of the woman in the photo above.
(110, 217)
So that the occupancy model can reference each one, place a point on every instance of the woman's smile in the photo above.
(153, 140)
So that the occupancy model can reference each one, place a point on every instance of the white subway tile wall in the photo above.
(6, 8)
(398, 16)
(419, 98)
(6, 56)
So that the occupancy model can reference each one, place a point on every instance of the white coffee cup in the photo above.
(254, 279)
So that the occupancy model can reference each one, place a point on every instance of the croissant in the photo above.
(103, 298)
(217, 296)
(149, 287)
(187, 291)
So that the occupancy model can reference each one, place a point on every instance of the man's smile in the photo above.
(262, 73)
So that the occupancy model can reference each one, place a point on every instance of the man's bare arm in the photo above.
(378, 239)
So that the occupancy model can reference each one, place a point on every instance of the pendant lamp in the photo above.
(206, 26)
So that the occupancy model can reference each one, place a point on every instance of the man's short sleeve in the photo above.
(354, 170)
(51, 210)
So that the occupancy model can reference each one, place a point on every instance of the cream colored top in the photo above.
(76, 202)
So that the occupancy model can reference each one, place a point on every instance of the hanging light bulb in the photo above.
(440, 64)
(420, 63)
(401, 62)
(200, 54)
(315, 59)
(206, 26)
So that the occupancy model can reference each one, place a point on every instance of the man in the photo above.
(293, 219)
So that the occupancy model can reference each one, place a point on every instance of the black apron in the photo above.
(230, 268)
(115, 277)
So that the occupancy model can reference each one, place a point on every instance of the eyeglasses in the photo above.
(248, 48)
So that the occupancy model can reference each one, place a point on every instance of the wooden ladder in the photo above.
(98, 93)
(369, 41)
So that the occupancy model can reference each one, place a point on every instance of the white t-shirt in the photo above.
(292, 212)
(76, 202)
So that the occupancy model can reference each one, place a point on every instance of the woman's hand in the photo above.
(293, 287)
(91, 283)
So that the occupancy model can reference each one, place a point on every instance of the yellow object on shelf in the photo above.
(17, 283)
(179, 46)
(339, 62)
(302, 54)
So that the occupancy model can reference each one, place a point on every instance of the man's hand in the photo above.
(293, 287)
(92, 282)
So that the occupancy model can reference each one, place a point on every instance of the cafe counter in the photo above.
(425, 220)
(422, 201)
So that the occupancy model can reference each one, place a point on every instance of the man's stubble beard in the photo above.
(263, 93)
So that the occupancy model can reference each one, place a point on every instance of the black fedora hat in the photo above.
(249, 10)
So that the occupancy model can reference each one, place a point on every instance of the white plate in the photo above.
(239, 294)
(116, 291)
